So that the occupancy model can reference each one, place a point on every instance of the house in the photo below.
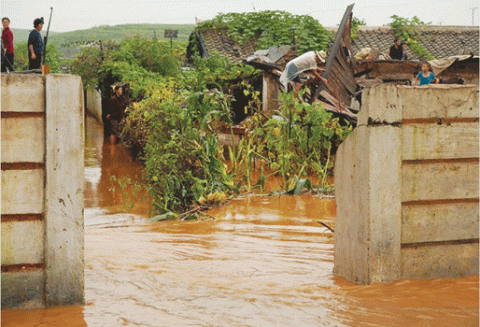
(440, 41)
(456, 46)
(217, 39)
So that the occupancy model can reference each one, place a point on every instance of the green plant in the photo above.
(183, 160)
(356, 23)
(274, 29)
(128, 189)
(53, 58)
(407, 30)
(294, 142)
(88, 63)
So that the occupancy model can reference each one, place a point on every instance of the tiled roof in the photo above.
(218, 39)
(440, 41)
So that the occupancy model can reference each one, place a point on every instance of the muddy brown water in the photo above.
(263, 261)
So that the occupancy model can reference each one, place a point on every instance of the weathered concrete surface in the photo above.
(440, 261)
(439, 180)
(23, 139)
(439, 101)
(432, 141)
(64, 200)
(42, 190)
(351, 249)
(380, 105)
(23, 93)
(93, 104)
(30, 249)
(441, 221)
(25, 289)
(368, 246)
(407, 186)
(22, 191)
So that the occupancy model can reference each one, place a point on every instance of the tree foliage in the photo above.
(407, 30)
(356, 23)
(176, 115)
(53, 58)
(275, 29)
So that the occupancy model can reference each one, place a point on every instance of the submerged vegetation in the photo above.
(175, 115)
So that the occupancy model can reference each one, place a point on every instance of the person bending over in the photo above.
(305, 62)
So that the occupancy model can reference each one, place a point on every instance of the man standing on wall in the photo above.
(396, 50)
(7, 39)
(35, 45)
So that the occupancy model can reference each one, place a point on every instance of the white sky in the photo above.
(69, 15)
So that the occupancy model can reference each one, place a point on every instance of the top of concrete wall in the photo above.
(390, 104)
(23, 93)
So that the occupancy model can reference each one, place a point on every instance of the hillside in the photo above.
(116, 33)
(21, 35)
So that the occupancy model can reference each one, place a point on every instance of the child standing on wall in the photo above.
(425, 77)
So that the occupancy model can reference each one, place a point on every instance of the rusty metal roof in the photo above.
(440, 41)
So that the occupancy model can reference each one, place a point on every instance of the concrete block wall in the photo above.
(94, 104)
(42, 190)
(407, 184)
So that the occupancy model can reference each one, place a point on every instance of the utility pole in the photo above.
(473, 14)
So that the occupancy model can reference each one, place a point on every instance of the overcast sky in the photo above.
(69, 15)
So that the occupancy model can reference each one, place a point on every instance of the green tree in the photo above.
(275, 29)
(53, 58)
(407, 30)
(356, 23)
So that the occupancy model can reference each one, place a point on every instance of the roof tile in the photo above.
(440, 41)
(218, 39)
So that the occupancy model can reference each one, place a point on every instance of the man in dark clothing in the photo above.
(396, 50)
(35, 45)
(116, 113)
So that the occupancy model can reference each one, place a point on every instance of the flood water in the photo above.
(260, 261)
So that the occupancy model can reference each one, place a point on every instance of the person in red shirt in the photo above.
(7, 39)
(116, 113)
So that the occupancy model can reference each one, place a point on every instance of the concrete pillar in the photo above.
(42, 190)
(367, 175)
(64, 190)
(94, 104)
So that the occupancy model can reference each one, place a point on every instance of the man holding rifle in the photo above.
(35, 45)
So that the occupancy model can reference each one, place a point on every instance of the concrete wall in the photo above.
(407, 184)
(93, 103)
(42, 190)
